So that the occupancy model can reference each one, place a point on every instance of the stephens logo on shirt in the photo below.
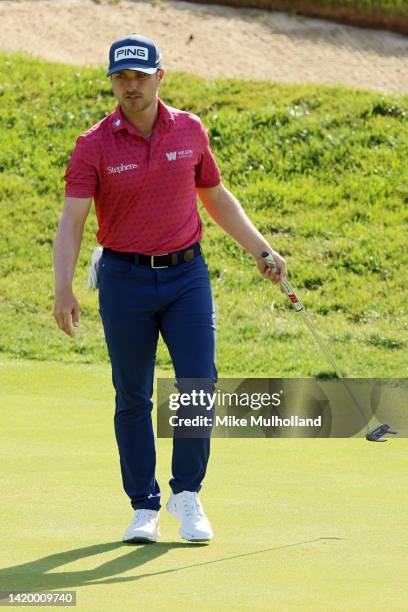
(185, 154)
(121, 168)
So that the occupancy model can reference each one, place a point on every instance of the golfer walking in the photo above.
(143, 165)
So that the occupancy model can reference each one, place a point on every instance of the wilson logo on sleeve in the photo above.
(185, 154)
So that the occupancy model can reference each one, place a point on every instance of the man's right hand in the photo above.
(66, 248)
(66, 311)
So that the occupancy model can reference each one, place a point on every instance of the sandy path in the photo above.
(226, 41)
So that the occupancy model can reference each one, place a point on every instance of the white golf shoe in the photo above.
(144, 527)
(186, 507)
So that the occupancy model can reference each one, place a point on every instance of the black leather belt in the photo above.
(157, 261)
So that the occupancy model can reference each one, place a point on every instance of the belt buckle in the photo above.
(152, 262)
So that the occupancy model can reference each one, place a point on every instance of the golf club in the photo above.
(374, 435)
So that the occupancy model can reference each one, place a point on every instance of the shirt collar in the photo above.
(164, 121)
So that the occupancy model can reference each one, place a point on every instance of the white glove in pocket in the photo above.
(93, 280)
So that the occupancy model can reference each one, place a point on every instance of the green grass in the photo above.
(384, 7)
(323, 533)
(320, 170)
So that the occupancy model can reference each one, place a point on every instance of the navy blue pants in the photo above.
(136, 303)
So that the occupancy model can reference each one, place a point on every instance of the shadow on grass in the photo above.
(34, 575)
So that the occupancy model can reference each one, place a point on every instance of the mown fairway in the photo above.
(300, 524)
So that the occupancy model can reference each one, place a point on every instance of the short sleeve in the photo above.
(81, 176)
(207, 173)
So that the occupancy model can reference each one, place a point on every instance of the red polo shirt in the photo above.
(144, 190)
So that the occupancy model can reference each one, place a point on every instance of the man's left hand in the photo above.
(273, 274)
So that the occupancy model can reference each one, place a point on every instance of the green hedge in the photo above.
(386, 14)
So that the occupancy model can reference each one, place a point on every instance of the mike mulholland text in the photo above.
(252, 421)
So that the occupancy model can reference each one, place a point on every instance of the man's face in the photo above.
(136, 91)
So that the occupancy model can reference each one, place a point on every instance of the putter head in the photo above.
(375, 435)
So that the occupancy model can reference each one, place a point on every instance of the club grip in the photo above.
(271, 262)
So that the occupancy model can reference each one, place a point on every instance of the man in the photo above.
(143, 165)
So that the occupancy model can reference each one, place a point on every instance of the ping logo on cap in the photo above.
(131, 51)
